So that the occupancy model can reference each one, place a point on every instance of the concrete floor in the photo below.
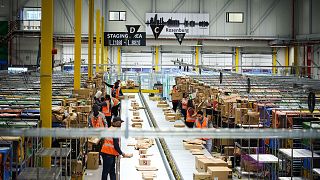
(93, 174)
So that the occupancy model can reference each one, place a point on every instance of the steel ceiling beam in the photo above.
(134, 12)
(220, 12)
(265, 15)
(178, 6)
(66, 13)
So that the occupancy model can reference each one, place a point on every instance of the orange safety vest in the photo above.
(115, 92)
(189, 117)
(184, 103)
(115, 101)
(106, 109)
(108, 147)
(203, 125)
(97, 122)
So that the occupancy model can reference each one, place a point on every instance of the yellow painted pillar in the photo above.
(157, 59)
(237, 59)
(102, 68)
(274, 61)
(46, 72)
(119, 60)
(106, 60)
(77, 44)
(197, 58)
(98, 35)
(90, 39)
(295, 61)
(286, 60)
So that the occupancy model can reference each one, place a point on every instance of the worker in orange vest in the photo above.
(116, 91)
(109, 151)
(115, 107)
(191, 115)
(203, 122)
(184, 105)
(97, 120)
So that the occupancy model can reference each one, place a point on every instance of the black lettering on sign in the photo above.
(180, 37)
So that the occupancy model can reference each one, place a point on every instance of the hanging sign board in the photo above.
(123, 39)
(192, 24)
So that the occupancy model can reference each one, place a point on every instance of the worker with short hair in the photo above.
(203, 122)
(110, 150)
(184, 105)
(116, 91)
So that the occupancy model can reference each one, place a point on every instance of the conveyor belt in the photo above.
(127, 165)
(182, 158)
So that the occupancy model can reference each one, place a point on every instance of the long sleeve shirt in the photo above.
(116, 145)
(111, 86)
(100, 115)
(104, 103)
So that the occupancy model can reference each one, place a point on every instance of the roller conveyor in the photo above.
(127, 165)
(182, 158)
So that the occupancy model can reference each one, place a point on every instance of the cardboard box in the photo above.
(84, 109)
(192, 146)
(171, 118)
(162, 105)
(84, 92)
(201, 176)
(144, 162)
(136, 113)
(219, 172)
(142, 151)
(240, 115)
(197, 157)
(93, 160)
(76, 167)
(203, 164)
(228, 151)
(137, 125)
(176, 96)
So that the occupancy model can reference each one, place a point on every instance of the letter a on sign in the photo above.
(132, 30)
(156, 29)
(180, 37)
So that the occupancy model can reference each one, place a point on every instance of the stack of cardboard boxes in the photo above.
(145, 165)
(210, 168)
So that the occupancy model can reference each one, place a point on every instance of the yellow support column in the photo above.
(237, 59)
(46, 72)
(119, 60)
(77, 44)
(90, 42)
(197, 58)
(102, 68)
(157, 59)
(286, 61)
(98, 35)
(106, 60)
(274, 61)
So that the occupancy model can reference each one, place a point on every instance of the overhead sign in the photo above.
(123, 39)
(193, 24)
(132, 29)
(156, 30)
(180, 37)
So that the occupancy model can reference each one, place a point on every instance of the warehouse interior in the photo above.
(159, 89)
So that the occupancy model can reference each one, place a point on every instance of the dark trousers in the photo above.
(175, 105)
(109, 163)
(189, 124)
(184, 113)
(108, 118)
(115, 110)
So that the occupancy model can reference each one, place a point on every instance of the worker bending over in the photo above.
(202, 122)
(109, 151)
